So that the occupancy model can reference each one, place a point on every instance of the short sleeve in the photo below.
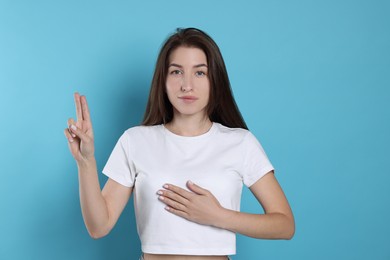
(119, 166)
(256, 163)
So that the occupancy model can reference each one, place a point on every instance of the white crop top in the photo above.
(221, 160)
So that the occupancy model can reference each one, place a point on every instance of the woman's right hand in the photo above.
(80, 133)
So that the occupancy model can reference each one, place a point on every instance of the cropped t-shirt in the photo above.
(221, 160)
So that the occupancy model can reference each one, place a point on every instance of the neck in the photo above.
(187, 126)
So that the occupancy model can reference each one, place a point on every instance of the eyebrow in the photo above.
(180, 66)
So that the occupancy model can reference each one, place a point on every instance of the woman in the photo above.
(185, 164)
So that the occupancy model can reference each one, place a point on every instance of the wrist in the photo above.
(222, 218)
(85, 163)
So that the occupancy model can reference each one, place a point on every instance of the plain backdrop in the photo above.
(310, 77)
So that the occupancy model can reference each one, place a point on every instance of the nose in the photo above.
(186, 83)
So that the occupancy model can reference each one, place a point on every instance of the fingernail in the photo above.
(190, 182)
(166, 186)
(159, 192)
(167, 208)
(73, 127)
(161, 197)
(70, 140)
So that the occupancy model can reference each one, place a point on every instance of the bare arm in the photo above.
(202, 207)
(100, 209)
(276, 223)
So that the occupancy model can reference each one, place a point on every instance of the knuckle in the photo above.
(167, 194)
(175, 196)
(169, 202)
(176, 205)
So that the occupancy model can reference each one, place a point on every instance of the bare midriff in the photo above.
(183, 257)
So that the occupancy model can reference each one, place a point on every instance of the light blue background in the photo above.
(310, 77)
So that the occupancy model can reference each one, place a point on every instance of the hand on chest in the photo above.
(212, 167)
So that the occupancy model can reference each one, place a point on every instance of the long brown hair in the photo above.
(221, 108)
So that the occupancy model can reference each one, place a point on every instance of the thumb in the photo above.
(79, 133)
(195, 188)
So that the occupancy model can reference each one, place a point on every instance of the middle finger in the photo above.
(79, 112)
(172, 196)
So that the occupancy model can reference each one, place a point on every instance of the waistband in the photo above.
(142, 257)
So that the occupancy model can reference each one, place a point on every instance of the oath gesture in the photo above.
(80, 133)
(197, 205)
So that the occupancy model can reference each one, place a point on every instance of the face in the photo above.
(187, 84)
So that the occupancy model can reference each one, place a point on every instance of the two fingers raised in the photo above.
(82, 110)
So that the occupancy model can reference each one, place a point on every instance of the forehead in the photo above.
(188, 55)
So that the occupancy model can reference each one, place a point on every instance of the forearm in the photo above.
(93, 205)
(266, 226)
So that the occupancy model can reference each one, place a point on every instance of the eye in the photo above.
(200, 73)
(176, 72)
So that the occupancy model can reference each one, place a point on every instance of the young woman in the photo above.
(186, 164)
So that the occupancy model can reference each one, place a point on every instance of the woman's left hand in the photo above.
(198, 206)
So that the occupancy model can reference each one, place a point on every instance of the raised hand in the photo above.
(198, 206)
(80, 133)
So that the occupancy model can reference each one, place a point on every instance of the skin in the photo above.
(188, 90)
(100, 208)
(187, 77)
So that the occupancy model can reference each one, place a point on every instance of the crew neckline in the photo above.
(195, 137)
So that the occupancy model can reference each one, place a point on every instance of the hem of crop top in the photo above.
(187, 251)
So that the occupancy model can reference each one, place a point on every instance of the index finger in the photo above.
(77, 102)
(178, 190)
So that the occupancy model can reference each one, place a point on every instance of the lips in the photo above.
(188, 98)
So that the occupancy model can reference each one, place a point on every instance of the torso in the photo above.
(221, 160)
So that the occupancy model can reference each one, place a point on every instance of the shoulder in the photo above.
(237, 133)
(142, 131)
(240, 136)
